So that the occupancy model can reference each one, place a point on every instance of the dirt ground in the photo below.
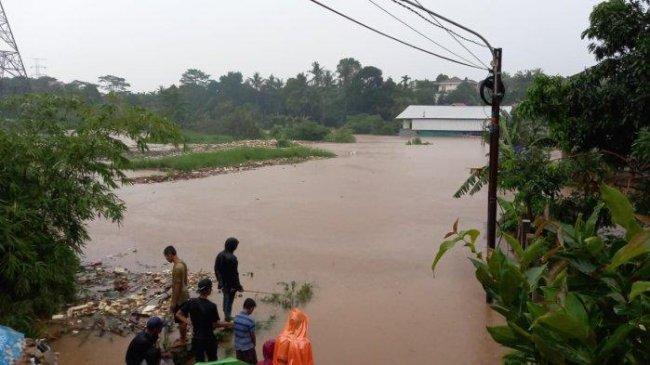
(363, 227)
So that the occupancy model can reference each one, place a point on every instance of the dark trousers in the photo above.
(204, 349)
(248, 356)
(228, 299)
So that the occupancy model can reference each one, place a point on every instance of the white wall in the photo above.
(462, 125)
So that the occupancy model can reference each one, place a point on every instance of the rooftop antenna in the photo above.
(11, 63)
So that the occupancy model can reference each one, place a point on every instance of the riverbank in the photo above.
(363, 227)
(206, 160)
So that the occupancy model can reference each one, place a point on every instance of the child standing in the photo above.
(244, 326)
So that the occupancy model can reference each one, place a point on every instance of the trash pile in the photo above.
(117, 301)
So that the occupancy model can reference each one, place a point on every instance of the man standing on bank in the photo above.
(180, 293)
(205, 319)
(225, 269)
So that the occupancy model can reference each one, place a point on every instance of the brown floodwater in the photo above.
(363, 227)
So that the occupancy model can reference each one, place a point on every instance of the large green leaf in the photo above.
(621, 209)
(590, 225)
(533, 275)
(504, 335)
(565, 325)
(510, 283)
(619, 335)
(444, 247)
(533, 252)
(483, 273)
(594, 245)
(639, 288)
(638, 245)
(515, 245)
(574, 307)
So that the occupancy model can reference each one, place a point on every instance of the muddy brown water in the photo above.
(363, 227)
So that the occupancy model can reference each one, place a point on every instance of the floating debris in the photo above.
(116, 300)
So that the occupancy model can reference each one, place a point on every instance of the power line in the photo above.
(437, 25)
(391, 37)
(454, 37)
(468, 30)
(422, 34)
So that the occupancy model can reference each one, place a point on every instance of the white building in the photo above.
(452, 84)
(429, 120)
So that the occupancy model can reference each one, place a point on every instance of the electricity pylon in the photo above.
(11, 63)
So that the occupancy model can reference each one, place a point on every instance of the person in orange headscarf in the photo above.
(293, 347)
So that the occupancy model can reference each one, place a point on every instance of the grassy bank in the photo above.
(203, 138)
(225, 158)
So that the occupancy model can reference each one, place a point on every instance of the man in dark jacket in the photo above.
(225, 269)
(143, 347)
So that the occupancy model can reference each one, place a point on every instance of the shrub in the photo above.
(342, 135)
(371, 124)
(283, 143)
(417, 141)
(51, 182)
(575, 295)
(300, 129)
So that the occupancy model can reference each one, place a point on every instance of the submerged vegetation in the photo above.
(292, 295)
(341, 135)
(417, 141)
(225, 158)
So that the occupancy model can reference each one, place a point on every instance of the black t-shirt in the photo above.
(203, 314)
(143, 348)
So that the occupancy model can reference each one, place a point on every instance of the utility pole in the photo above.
(11, 63)
(497, 96)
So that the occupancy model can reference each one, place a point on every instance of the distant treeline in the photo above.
(240, 107)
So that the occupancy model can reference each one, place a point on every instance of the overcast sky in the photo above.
(151, 42)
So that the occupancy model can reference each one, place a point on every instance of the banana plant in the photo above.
(577, 294)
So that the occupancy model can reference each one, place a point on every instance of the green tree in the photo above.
(112, 83)
(61, 162)
(195, 77)
(346, 69)
(605, 106)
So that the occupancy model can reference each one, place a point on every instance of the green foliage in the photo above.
(53, 179)
(300, 129)
(225, 158)
(606, 105)
(292, 295)
(526, 168)
(341, 135)
(574, 295)
(371, 124)
(203, 103)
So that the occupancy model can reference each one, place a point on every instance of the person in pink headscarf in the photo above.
(267, 351)
(293, 345)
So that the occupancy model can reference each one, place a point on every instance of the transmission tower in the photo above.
(11, 63)
(38, 68)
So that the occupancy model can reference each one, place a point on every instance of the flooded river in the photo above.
(363, 227)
